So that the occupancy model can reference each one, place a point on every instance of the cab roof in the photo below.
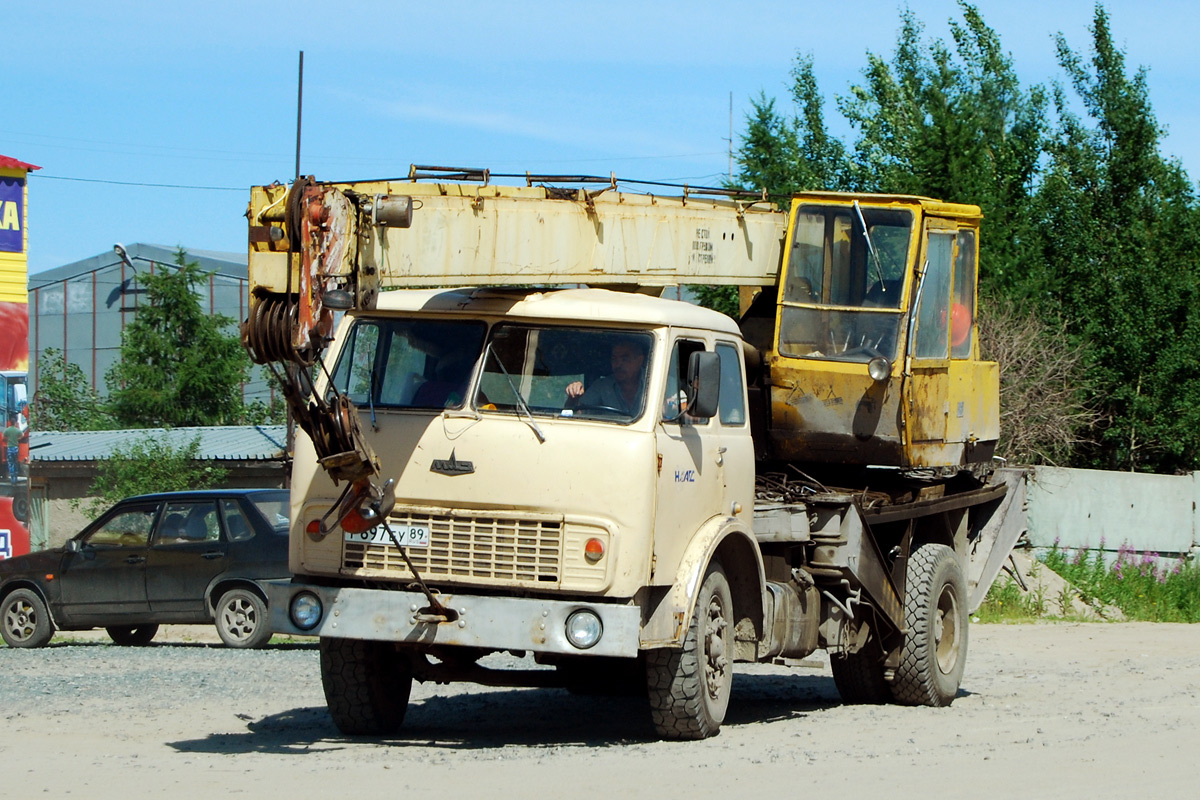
(558, 305)
(928, 204)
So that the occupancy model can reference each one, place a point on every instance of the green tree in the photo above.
(64, 400)
(1121, 251)
(151, 464)
(178, 367)
(788, 154)
(955, 124)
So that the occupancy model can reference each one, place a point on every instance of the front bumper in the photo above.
(488, 622)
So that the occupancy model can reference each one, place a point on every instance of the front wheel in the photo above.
(242, 619)
(935, 612)
(132, 635)
(24, 620)
(689, 688)
(367, 685)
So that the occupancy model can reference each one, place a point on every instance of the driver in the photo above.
(622, 390)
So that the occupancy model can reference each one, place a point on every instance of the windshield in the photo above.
(407, 363)
(845, 284)
(565, 372)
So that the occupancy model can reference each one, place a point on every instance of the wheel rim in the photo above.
(20, 620)
(716, 660)
(945, 630)
(239, 618)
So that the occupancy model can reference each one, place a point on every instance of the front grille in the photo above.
(478, 549)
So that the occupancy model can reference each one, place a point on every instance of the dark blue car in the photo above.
(178, 557)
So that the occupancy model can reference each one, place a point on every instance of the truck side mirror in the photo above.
(703, 384)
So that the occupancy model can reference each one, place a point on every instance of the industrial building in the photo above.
(80, 309)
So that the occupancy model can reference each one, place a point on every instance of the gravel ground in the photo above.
(1055, 710)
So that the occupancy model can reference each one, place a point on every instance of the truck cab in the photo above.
(543, 444)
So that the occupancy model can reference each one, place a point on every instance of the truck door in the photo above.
(928, 388)
(948, 381)
(691, 475)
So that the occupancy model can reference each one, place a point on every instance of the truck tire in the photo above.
(24, 620)
(241, 620)
(935, 611)
(689, 688)
(366, 684)
(859, 676)
(131, 635)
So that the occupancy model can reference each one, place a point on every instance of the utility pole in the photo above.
(731, 138)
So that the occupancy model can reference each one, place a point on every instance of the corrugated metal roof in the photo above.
(224, 443)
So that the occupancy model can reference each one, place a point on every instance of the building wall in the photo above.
(14, 244)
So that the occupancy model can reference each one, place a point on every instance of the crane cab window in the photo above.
(844, 285)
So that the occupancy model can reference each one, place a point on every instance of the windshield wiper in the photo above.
(521, 405)
(871, 247)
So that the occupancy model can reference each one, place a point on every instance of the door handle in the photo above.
(135, 560)
(211, 556)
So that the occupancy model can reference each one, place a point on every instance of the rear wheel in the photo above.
(935, 612)
(242, 619)
(132, 635)
(689, 688)
(859, 676)
(24, 620)
(366, 684)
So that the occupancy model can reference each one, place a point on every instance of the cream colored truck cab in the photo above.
(562, 526)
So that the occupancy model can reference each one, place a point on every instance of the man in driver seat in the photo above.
(622, 389)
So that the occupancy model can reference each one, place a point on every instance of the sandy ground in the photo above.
(1048, 710)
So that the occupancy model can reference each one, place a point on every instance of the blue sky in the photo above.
(204, 95)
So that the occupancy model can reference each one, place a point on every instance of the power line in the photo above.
(149, 185)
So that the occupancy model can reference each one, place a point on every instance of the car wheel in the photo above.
(24, 620)
(242, 619)
(132, 635)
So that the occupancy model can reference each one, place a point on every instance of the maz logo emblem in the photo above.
(451, 466)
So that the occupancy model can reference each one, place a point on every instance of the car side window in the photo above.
(188, 523)
(236, 524)
(129, 527)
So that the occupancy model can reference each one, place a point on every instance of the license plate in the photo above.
(408, 535)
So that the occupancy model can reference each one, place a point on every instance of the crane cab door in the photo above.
(951, 397)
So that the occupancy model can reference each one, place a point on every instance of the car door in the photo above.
(105, 579)
(189, 550)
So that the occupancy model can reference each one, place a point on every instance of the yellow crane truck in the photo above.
(512, 443)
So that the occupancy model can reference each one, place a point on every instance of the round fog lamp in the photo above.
(584, 628)
(306, 611)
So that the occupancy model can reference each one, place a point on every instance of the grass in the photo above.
(1136, 583)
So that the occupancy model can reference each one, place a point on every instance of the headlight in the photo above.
(306, 611)
(879, 368)
(584, 628)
